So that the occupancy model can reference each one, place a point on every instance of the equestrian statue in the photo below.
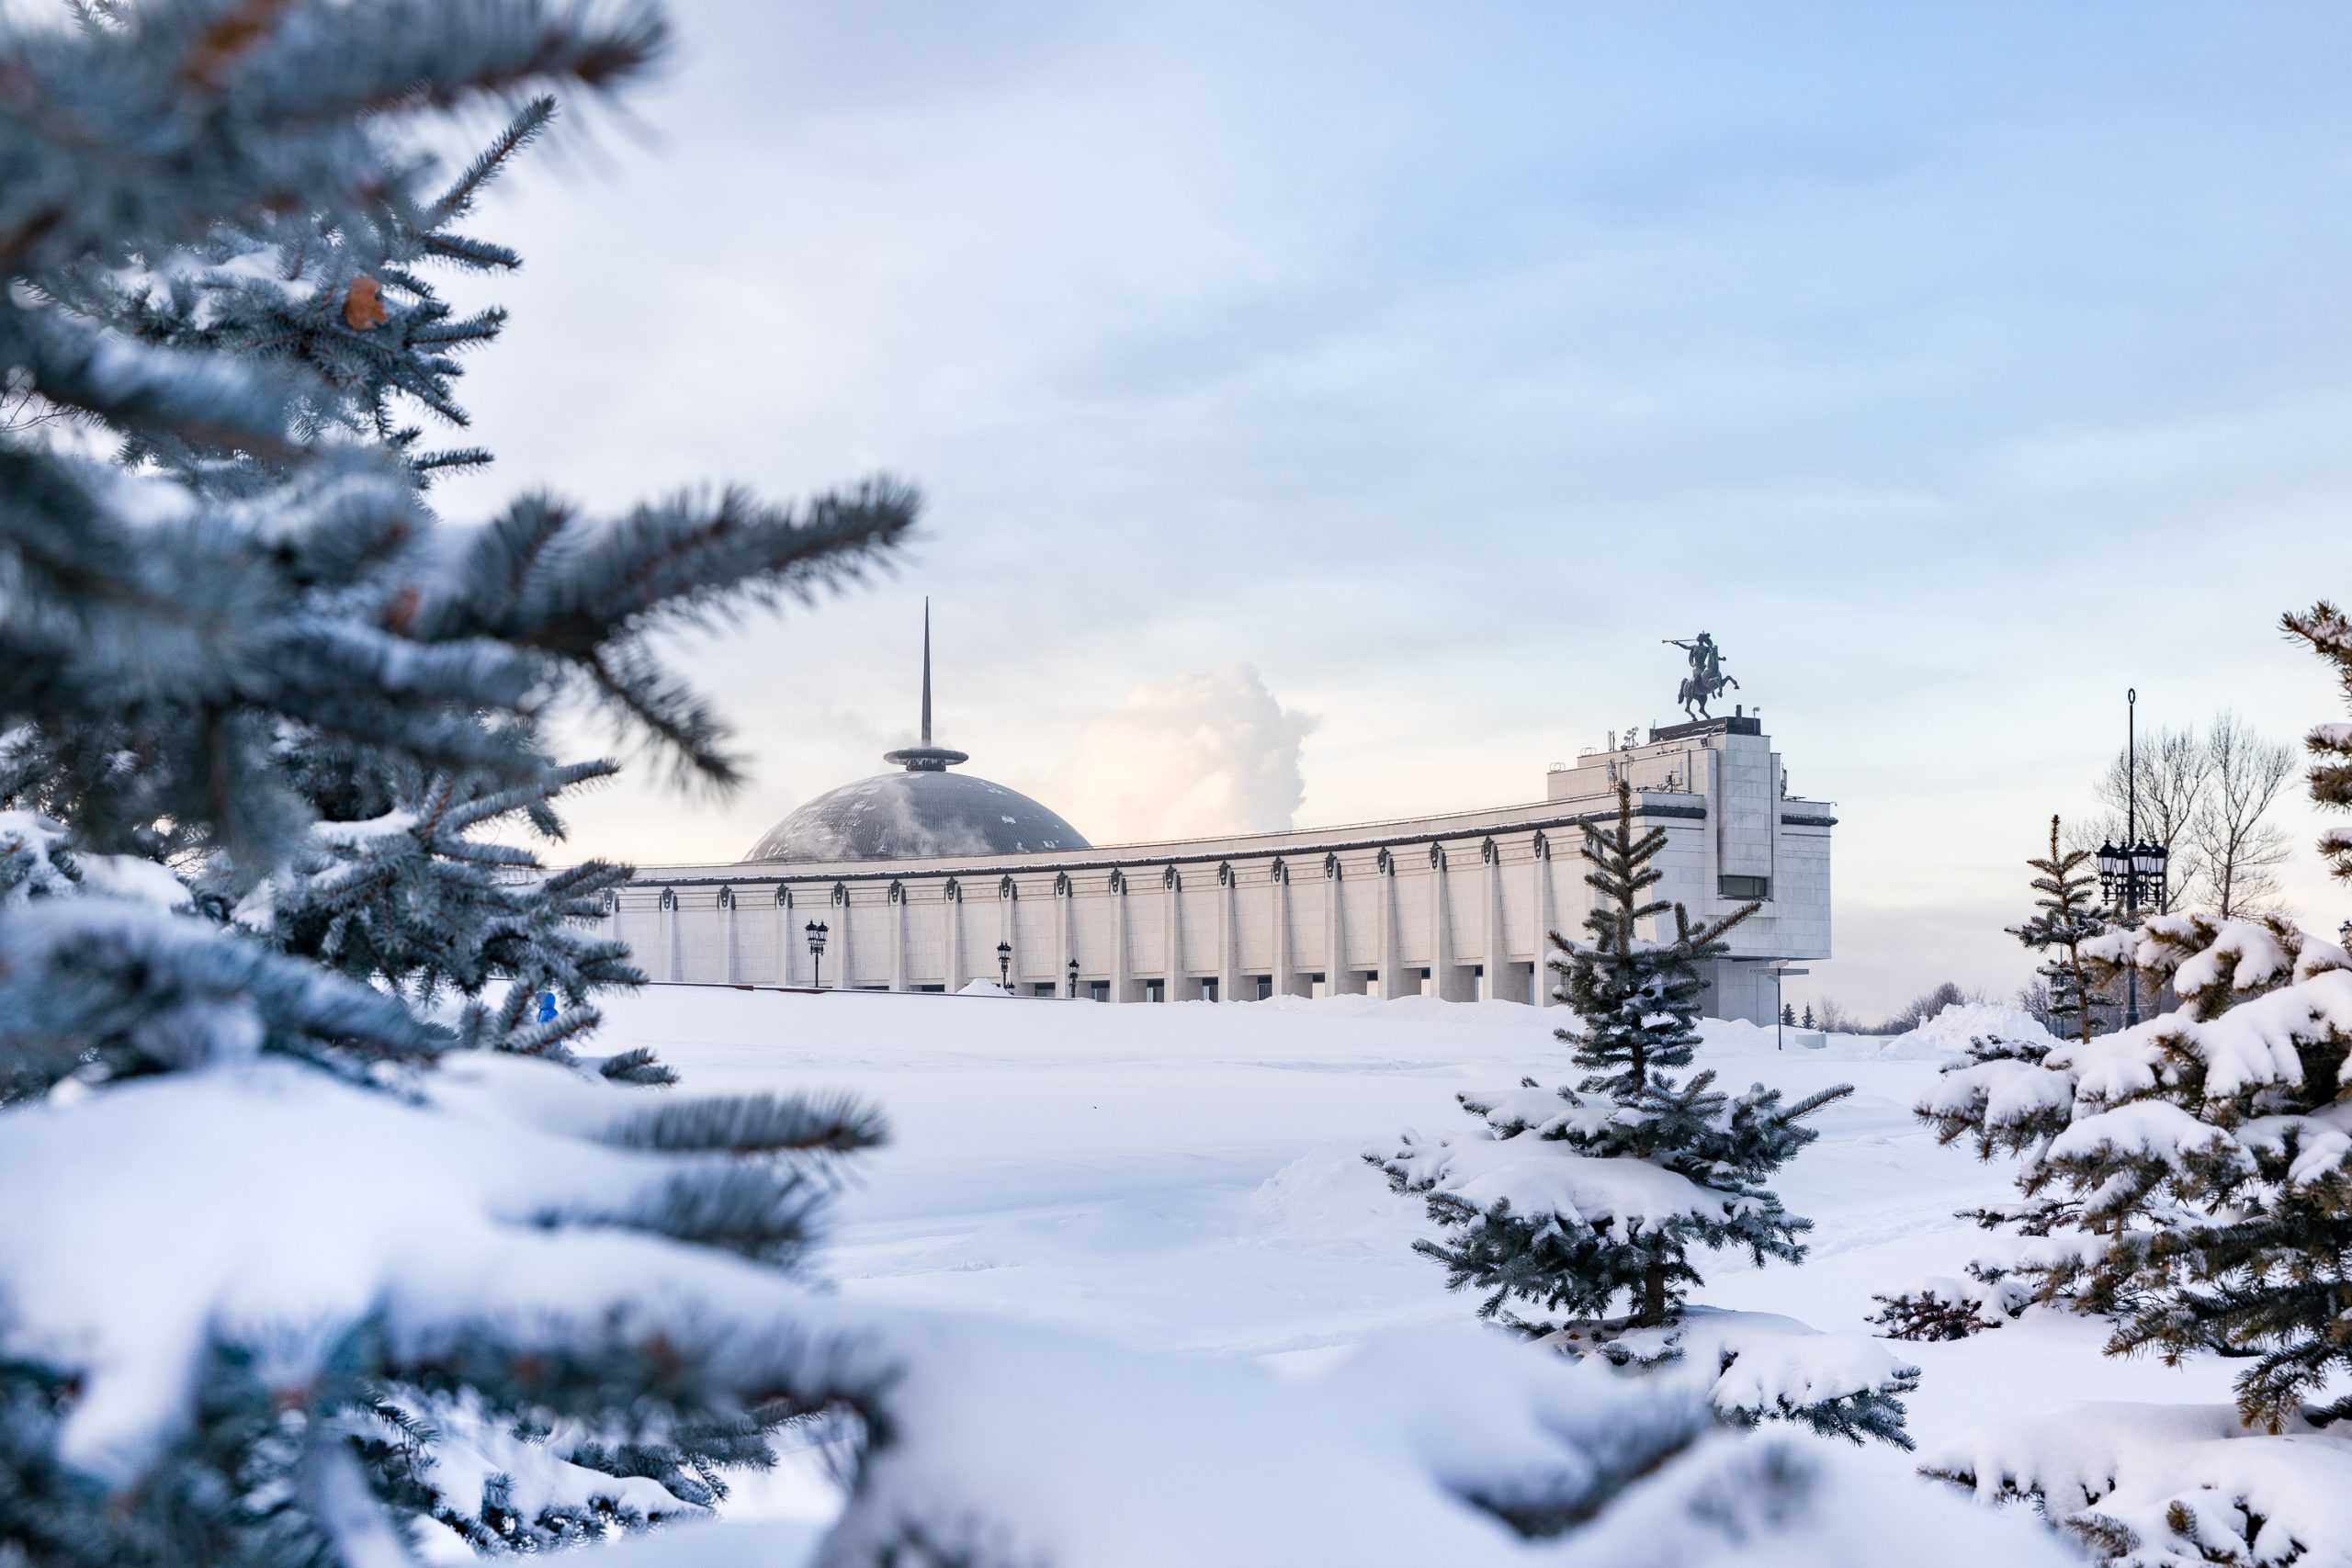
(1706, 679)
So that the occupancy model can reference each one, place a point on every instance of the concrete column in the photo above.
(1228, 966)
(837, 951)
(1392, 975)
(674, 956)
(896, 910)
(1490, 899)
(1547, 918)
(730, 937)
(1065, 930)
(1007, 929)
(786, 936)
(1287, 982)
(952, 913)
(1171, 935)
(1125, 987)
(1450, 979)
(1337, 980)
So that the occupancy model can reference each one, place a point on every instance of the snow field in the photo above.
(1188, 1177)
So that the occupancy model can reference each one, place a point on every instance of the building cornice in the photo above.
(1119, 856)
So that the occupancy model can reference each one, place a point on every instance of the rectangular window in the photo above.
(1155, 990)
(1744, 886)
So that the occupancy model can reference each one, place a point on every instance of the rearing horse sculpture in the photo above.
(1707, 680)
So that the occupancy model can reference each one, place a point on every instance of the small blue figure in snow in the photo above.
(547, 1007)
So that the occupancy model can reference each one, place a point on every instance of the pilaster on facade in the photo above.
(840, 948)
(1008, 911)
(1228, 971)
(895, 903)
(955, 975)
(1394, 981)
(673, 956)
(1546, 916)
(1065, 931)
(1498, 961)
(786, 936)
(731, 936)
(1288, 981)
(1123, 987)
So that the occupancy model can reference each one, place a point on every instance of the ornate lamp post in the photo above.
(1073, 979)
(1004, 965)
(816, 929)
(2135, 871)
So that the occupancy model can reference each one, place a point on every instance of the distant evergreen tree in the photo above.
(1808, 1015)
(1789, 1013)
(2325, 630)
(1581, 1200)
(2068, 917)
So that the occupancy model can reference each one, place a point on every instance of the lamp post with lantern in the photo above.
(2135, 871)
(1073, 979)
(816, 929)
(1004, 965)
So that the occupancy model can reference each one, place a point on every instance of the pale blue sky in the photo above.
(1955, 366)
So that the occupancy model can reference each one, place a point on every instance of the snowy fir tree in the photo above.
(1991, 1290)
(1999, 1284)
(2205, 1159)
(243, 667)
(1590, 1200)
(2327, 632)
(2067, 915)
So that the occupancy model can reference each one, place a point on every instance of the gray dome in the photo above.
(922, 813)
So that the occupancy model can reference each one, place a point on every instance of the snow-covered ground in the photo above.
(1187, 1177)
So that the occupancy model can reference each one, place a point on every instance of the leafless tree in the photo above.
(2241, 851)
(2175, 770)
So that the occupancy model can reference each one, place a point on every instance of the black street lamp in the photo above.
(2136, 870)
(1073, 979)
(816, 929)
(1004, 965)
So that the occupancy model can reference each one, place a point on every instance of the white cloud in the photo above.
(1196, 756)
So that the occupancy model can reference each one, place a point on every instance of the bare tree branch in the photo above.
(2239, 849)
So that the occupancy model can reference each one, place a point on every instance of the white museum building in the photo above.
(928, 879)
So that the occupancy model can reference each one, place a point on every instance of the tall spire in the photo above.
(925, 758)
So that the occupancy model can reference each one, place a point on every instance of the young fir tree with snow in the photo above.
(2065, 917)
(1995, 1287)
(2206, 1154)
(1592, 1200)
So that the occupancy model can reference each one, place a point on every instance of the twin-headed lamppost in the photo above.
(816, 929)
(2135, 872)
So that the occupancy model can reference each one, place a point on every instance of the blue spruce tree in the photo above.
(1588, 1204)
(257, 703)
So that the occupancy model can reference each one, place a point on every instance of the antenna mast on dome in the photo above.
(926, 758)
